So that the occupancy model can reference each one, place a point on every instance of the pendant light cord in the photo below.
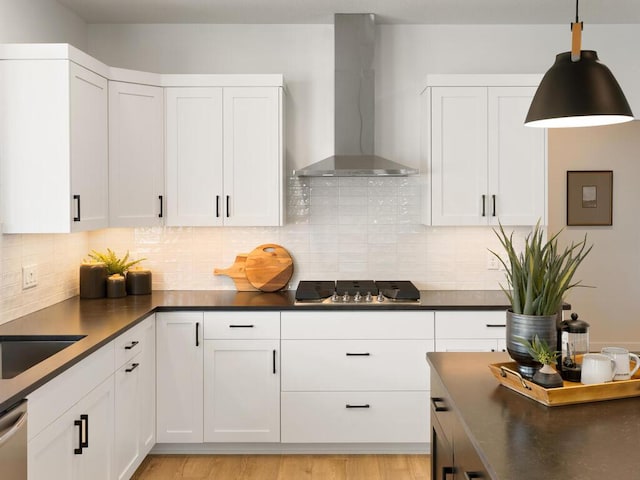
(576, 37)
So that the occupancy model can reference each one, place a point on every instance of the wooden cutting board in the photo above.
(269, 267)
(237, 274)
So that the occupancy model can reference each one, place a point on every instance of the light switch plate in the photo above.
(29, 276)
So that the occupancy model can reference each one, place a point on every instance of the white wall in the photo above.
(40, 21)
(613, 266)
(57, 256)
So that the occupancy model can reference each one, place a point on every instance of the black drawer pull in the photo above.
(197, 334)
(483, 200)
(228, 206)
(439, 404)
(77, 217)
(495, 325)
(241, 326)
(366, 405)
(364, 354)
(447, 471)
(132, 368)
(274, 362)
(161, 214)
(217, 206)
(131, 345)
(493, 197)
(78, 423)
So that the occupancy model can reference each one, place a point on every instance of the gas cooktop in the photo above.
(357, 292)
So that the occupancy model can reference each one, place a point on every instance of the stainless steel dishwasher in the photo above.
(13, 442)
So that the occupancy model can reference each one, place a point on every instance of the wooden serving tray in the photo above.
(571, 393)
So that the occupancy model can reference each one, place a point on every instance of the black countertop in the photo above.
(102, 320)
(518, 438)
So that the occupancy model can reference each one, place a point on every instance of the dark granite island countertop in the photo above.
(519, 439)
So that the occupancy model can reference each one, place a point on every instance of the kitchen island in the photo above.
(484, 430)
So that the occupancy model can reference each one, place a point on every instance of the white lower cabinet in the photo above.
(241, 391)
(355, 417)
(242, 377)
(355, 377)
(179, 378)
(135, 398)
(79, 444)
(471, 331)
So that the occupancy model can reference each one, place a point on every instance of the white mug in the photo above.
(622, 357)
(597, 368)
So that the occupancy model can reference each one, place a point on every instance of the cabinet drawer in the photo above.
(441, 409)
(241, 325)
(470, 345)
(477, 324)
(355, 365)
(336, 417)
(131, 343)
(390, 324)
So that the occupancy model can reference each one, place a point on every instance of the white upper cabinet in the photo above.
(136, 155)
(224, 156)
(194, 156)
(485, 165)
(253, 166)
(53, 145)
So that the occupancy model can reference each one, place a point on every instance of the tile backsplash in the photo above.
(336, 228)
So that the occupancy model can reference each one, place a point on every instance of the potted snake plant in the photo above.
(537, 281)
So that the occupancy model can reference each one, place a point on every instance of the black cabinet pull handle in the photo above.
(366, 405)
(495, 325)
(227, 206)
(132, 368)
(274, 362)
(78, 423)
(161, 214)
(131, 345)
(197, 334)
(85, 419)
(240, 326)
(76, 198)
(483, 201)
(217, 206)
(439, 404)
(472, 475)
(447, 471)
(365, 354)
(493, 198)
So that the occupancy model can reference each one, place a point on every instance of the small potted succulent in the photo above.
(542, 353)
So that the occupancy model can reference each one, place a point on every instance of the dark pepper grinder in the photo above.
(575, 343)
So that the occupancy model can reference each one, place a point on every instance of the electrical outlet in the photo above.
(492, 262)
(29, 276)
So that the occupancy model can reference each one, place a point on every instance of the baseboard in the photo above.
(291, 448)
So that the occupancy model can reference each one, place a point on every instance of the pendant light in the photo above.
(578, 91)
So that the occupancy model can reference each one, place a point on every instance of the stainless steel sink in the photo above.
(19, 353)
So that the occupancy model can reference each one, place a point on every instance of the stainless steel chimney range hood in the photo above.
(354, 106)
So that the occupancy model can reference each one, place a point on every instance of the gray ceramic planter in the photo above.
(528, 326)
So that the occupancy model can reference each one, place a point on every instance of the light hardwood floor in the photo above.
(285, 467)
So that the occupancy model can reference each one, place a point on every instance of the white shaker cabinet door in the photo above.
(179, 367)
(89, 149)
(459, 156)
(136, 155)
(253, 158)
(79, 444)
(517, 159)
(194, 156)
(242, 391)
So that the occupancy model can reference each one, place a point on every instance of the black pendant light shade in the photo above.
(578, 94)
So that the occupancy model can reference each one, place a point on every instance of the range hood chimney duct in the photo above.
(354, 106)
